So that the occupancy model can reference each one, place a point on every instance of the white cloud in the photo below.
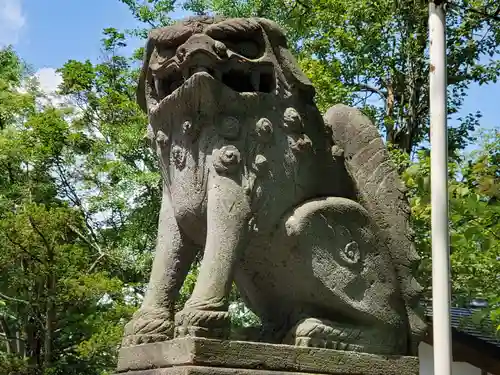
(48, 79)
(12, 21)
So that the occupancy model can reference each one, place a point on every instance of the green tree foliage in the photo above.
(152, 13)
(62, 287)
(474, 209)
(377, 51)
(119, 173)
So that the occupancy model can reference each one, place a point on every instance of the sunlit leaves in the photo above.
(77, 76)
(56, 264)
(378, 55)
(474, 212)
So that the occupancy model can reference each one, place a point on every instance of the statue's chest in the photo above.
(272, 157)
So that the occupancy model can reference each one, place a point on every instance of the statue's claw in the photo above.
(202, 323)
(321, 333)
(146, 326)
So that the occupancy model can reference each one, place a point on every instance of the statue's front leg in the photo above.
(154, 321)
(205, 313)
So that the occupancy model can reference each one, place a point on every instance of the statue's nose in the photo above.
(200, 43)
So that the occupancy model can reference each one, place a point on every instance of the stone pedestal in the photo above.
(197, 356)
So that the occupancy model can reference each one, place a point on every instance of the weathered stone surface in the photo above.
(195, 355)
(199, 370)
(305, 214)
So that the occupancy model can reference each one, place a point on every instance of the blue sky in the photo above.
(47, 33)
(54, 31)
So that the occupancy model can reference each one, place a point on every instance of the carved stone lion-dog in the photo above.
(306, 214)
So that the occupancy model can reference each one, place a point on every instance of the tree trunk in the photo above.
(50, 317)
(9, 339)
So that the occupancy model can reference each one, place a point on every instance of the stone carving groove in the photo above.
(305, 214)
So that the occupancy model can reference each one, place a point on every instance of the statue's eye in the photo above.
(247, 48)
(166, 53)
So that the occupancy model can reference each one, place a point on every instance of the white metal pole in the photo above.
(439, 191)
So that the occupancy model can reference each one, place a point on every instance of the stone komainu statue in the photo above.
(306, 214)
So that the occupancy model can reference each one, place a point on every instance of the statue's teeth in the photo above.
(200, 69)
(175, 85)
(342, 346)
(255, 80)
(157, 86)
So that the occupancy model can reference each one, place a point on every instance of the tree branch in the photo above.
(5, 337)
(73, 196)
(365, 87)
(13, 299)
(96, 262)
(488, 16)
(24, 249)
(95, 246)
(11, 348)
(35, 228)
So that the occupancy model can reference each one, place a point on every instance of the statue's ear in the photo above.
(287, 61)
(141, 91)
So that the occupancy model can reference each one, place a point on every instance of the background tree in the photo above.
(474, 192)
(62, 305)
(377, 52)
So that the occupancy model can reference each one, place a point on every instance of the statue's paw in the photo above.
(202, 323)
(147, 326)
(320, 333)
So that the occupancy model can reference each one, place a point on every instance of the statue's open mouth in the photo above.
(257, 80)
(238, 75)
(205, 84)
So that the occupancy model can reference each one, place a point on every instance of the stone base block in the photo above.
(198, 356)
